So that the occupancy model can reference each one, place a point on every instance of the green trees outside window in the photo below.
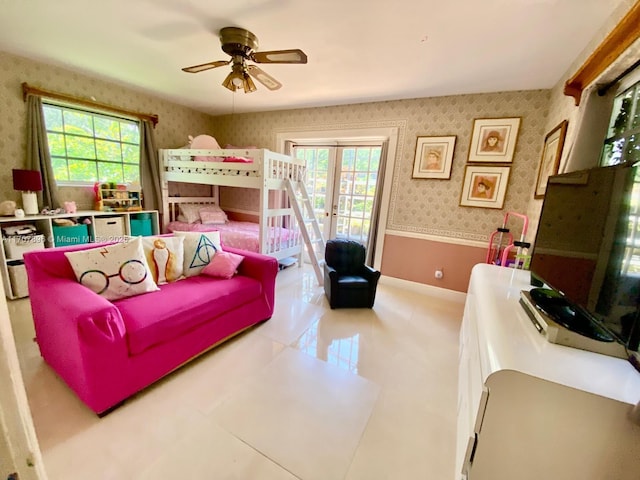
(88, 147)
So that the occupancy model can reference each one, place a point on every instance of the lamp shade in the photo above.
(27, 180)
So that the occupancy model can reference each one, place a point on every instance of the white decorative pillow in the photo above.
(165, 256)
(114, 271)
(199, 250)
(191, 213)
(212, 214)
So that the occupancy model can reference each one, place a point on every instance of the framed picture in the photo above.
(494, 139)
(550, 161)
(434, 156)
(484, 186)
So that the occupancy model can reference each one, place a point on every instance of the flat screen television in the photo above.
(587, 247)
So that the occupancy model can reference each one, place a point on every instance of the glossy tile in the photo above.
(210, 452)
(304, 414)
(314, 393)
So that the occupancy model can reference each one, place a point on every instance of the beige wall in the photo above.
(175, 124)
(421, 208)
(425, 211)
(426, 227)
(562, 107)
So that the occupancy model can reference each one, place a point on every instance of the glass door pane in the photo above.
(355, 188)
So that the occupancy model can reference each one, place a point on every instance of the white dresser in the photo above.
(531, 409)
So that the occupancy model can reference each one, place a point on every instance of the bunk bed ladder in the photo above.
(306, 217)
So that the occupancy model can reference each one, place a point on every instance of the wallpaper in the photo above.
(417, 206)
(175, 124)
(563, 107)
(422, 206)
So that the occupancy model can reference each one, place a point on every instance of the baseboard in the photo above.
(444, 293)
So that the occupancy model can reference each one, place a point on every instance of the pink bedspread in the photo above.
(243, 235)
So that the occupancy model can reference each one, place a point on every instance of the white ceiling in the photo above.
(358, 50)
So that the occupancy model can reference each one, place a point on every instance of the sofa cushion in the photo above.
(165, 256)
(199, 249)
(181, 306)
(114, 271)
(223, 265)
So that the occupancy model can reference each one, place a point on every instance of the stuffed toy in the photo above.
(204, 142)
(7, 208)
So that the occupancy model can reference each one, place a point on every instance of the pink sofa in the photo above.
(107, 351)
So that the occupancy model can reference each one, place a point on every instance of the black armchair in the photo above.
(348, 282)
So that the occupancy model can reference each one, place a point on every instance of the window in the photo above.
(88, 147)
(623, 137)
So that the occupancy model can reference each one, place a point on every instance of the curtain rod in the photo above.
(615, 43)
(27, 89)
(605, 88)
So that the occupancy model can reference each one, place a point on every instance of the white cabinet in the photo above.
(531, 409)
(100, 226)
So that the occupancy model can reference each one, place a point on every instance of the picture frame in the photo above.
(550, 159)
(434, 156)
(494, 140)
(484, 186)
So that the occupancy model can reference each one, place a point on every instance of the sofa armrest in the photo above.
(80, 334)
(261, 267)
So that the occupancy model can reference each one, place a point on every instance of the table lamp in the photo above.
(28, 182)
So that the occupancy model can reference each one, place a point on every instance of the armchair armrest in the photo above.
(372, 275)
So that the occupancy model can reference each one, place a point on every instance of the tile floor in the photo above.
(312, 394)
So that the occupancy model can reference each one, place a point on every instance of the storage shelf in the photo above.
(120, 200)
(127, 218)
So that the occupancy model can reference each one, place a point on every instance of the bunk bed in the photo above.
(276, 233)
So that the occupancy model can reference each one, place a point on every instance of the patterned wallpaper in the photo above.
(175, 124)
(562, 107)
(423, 206)
(420, 206)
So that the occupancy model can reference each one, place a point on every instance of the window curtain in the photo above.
(375, 212)
(591, 130)
(38, 157)
(150, 168)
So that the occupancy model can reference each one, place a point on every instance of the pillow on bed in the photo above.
(213, 214)
(228, 146)
(199, 249)
(165, 256)
(190, 213)
(238, 159)
(114, 271)
(223, 265)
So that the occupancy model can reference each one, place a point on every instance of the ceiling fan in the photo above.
(241, 45)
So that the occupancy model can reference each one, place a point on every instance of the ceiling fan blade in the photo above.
(279, 56)
(265, 79)
(206, 66)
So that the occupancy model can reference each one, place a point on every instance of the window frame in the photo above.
(68, 106)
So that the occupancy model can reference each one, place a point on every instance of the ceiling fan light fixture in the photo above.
(242, 46)
(228, 82)
(238, 79)
(248, 84)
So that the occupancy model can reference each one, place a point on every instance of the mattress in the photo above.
(243, 235)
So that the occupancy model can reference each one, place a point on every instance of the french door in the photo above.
(342, 181)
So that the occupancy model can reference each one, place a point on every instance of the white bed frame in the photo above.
(268, 171)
